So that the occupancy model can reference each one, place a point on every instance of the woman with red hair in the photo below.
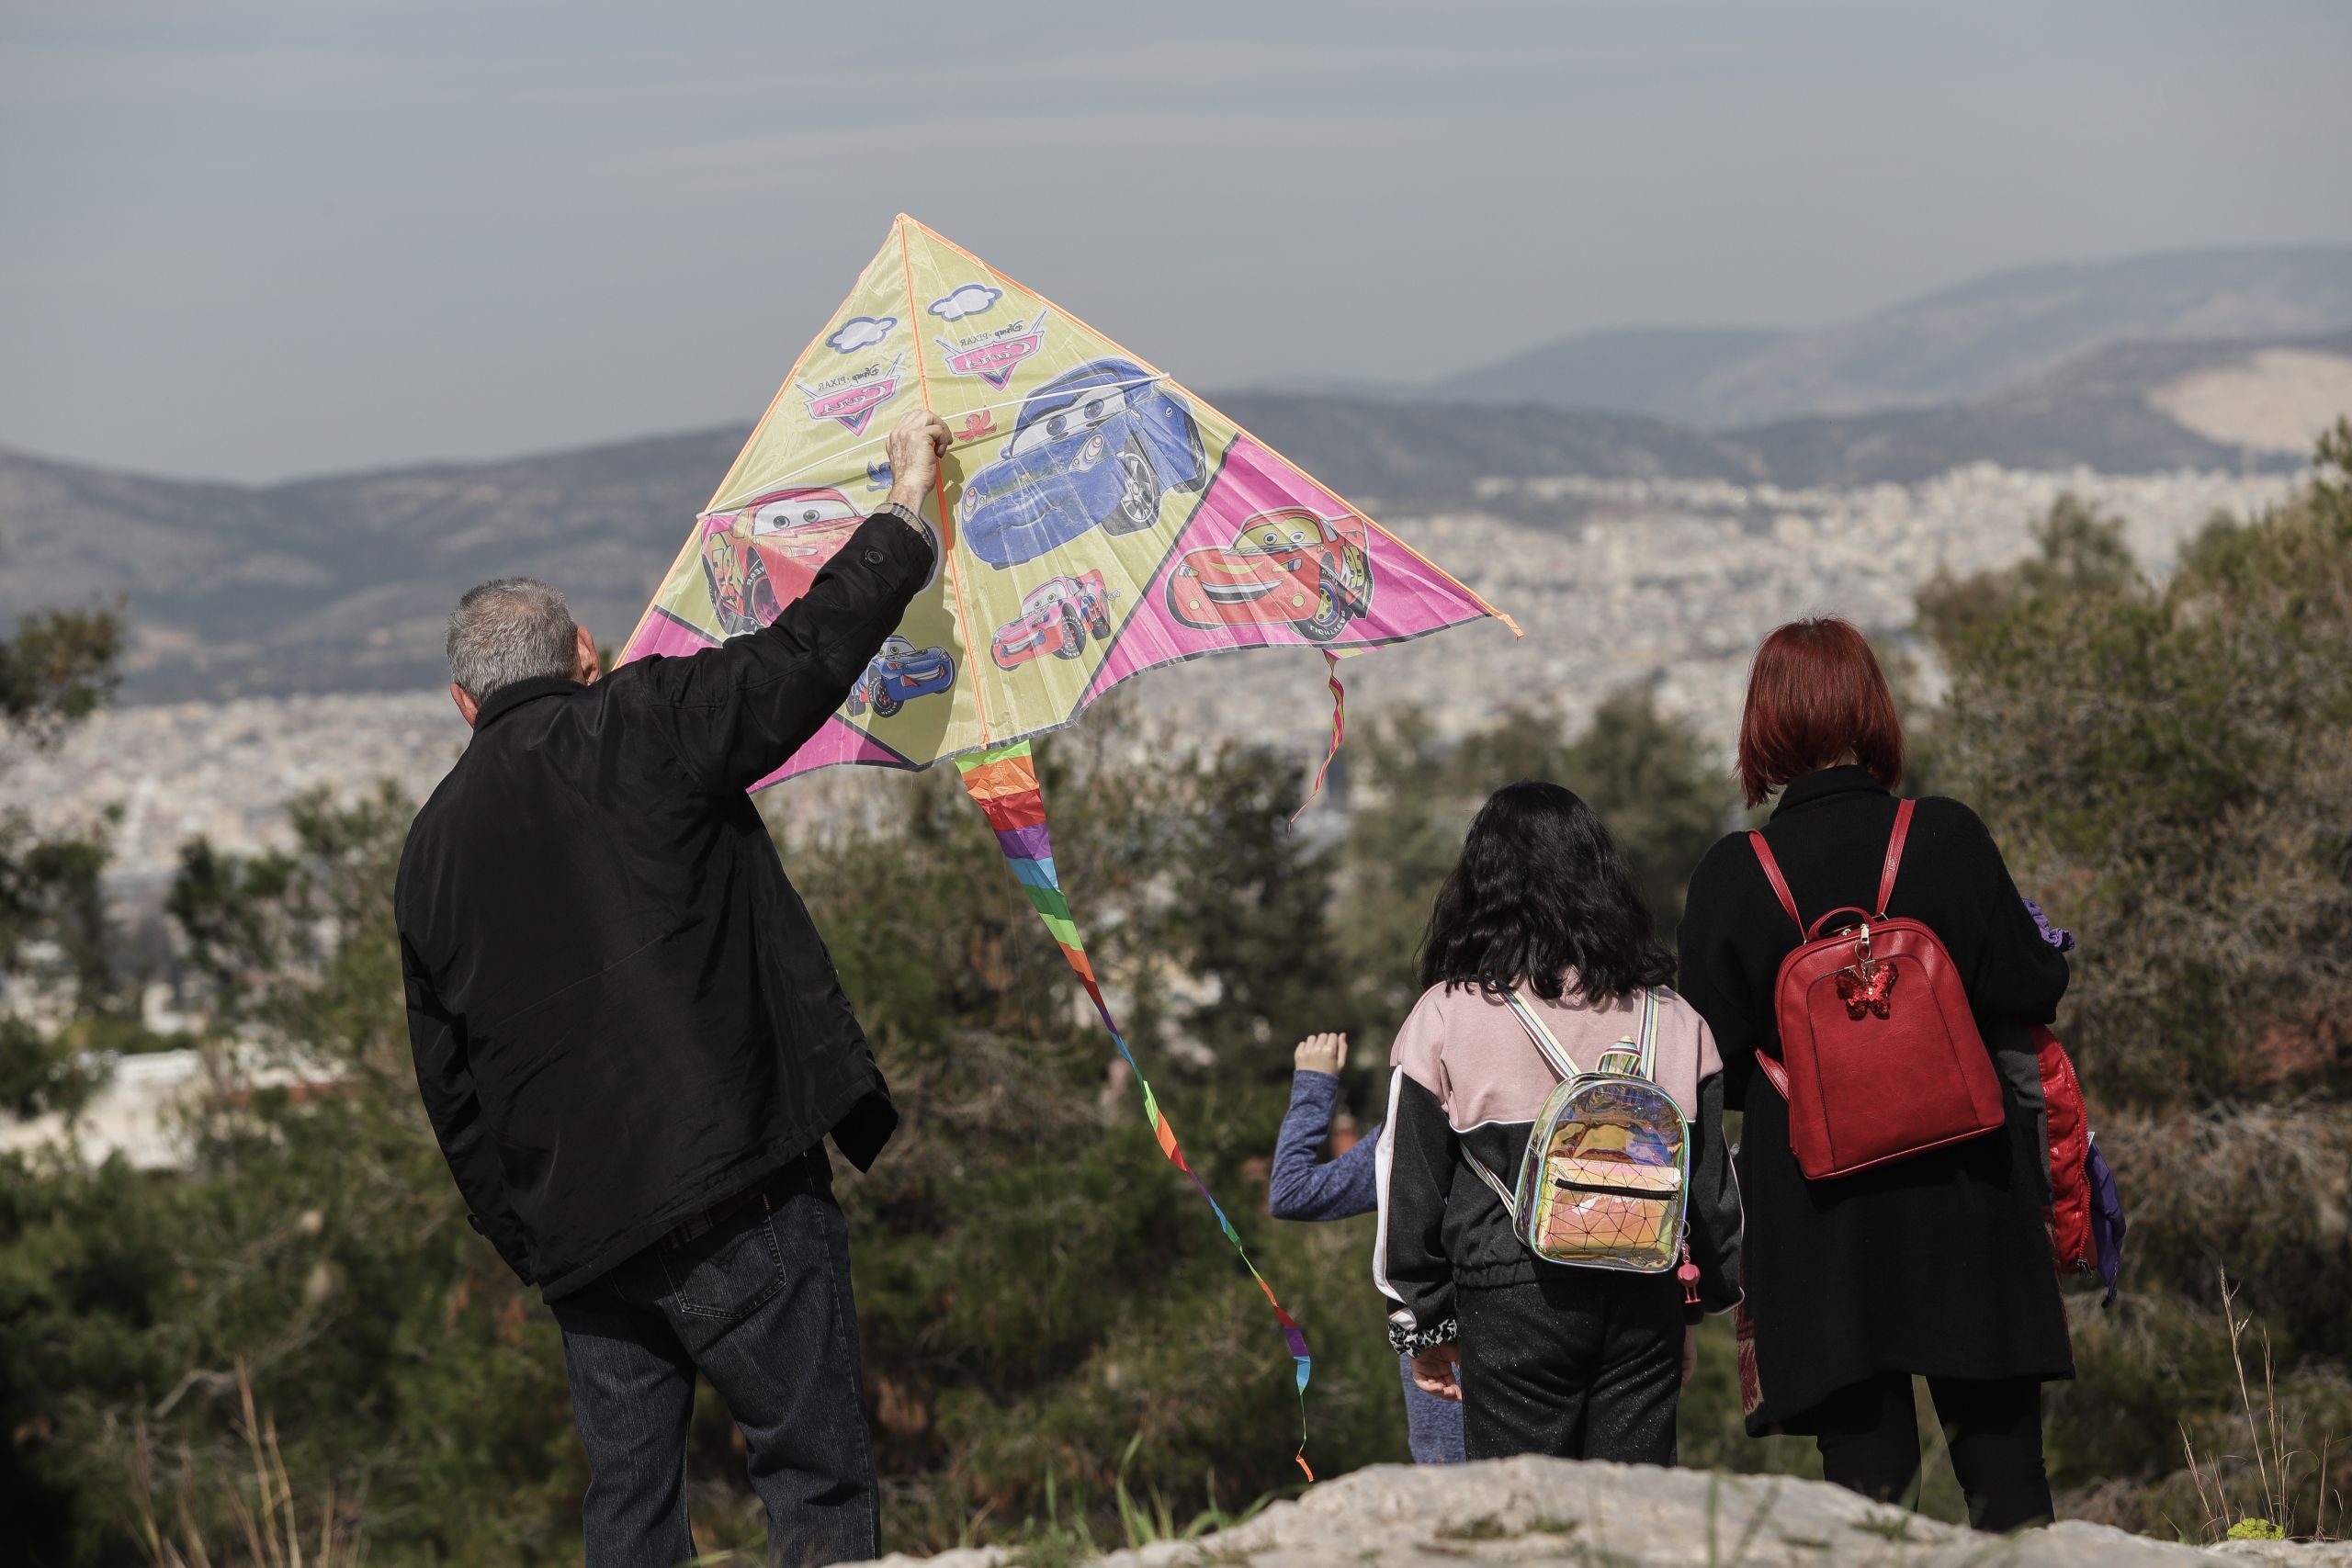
(1934, 1264)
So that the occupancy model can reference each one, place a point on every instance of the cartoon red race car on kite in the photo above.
(1291, 565)
(1055, 618)
(763, 556)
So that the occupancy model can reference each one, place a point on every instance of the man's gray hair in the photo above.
(513, 628)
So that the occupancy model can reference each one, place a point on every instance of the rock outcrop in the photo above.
(1540, 1512)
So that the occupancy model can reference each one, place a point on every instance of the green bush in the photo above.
(1060, 1346)
(2167, 765)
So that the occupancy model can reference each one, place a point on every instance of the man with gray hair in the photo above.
(509, 630)
(632, 1045)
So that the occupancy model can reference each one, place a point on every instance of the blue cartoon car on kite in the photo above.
(898, 674)
(1096, 446)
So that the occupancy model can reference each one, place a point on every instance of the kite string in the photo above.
(1002, 781)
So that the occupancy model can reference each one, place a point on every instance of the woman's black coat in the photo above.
(1937, 1265)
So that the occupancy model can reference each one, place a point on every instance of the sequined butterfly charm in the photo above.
(1867, 988)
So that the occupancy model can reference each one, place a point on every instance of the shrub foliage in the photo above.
(1059, 1342)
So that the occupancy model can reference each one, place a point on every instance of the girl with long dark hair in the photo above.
(1934, 1265)
(1578, 1362)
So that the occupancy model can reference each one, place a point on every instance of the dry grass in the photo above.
(270, 1527)
(2265, 1191)
(2274, 1449)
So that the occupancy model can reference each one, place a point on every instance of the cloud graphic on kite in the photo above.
(967, 300)
(861, 332)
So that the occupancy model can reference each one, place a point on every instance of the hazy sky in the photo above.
(248, 240)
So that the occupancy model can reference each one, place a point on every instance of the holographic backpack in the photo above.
(1605, 1180)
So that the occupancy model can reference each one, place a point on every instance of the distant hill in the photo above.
(2113, 410)
(343, 582)
(1431, 454)
(1643, 371)
(1958, 347)
(2100, 412)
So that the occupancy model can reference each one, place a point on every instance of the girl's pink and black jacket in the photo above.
(1465, 1074)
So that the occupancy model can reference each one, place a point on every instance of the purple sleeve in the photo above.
(1299, 1187)
(2064, 941)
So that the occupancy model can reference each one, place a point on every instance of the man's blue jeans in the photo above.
(759, 1302)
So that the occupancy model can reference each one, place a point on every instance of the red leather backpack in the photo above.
(1880, 1058)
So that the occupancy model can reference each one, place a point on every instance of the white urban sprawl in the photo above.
(1617, 582)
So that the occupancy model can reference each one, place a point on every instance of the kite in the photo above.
(1096, 520)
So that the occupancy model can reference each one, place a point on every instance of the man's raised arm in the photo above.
(739, 711)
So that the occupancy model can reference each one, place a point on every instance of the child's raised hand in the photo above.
(1321, 1054)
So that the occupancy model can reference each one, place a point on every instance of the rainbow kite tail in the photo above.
(1002, 781)
(1338, 734)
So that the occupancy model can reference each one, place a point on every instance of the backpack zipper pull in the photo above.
(1688, 1274)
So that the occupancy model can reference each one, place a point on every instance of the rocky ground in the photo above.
(1546, 1511)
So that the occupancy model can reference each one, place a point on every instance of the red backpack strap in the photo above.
(1894, 855)
(1780, 884)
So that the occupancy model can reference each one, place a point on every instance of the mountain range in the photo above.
(1958, 345)
(342, 582)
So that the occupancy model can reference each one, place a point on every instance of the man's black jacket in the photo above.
(620, 1010)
